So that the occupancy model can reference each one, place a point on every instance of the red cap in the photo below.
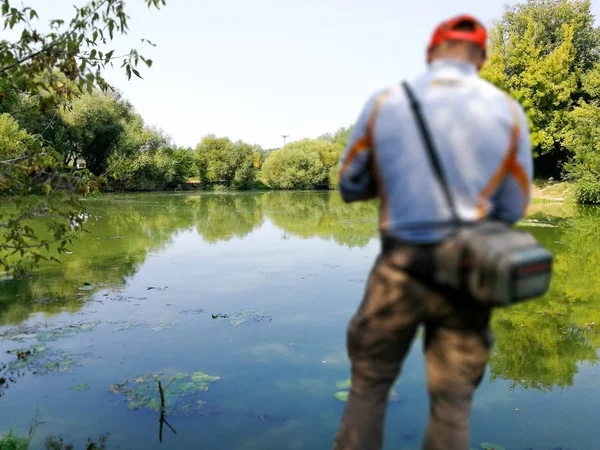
(446, 31)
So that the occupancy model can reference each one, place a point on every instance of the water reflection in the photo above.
(539, 344)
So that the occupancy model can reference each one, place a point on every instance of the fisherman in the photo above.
(483, 141)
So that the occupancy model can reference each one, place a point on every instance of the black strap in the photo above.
(433, 157)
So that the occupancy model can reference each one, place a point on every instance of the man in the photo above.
(482, 139)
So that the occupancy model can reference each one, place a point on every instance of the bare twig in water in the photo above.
(162, 409)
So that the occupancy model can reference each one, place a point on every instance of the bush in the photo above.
(587, 189)
(582, 139)
(163, 169)
(12, 442)
(224, 163)
(12, 138)
(304, 164)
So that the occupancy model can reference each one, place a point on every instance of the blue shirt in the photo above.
(482, 139)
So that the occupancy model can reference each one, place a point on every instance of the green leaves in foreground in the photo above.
(13, 442)
(181, 391)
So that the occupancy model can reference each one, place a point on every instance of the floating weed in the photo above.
(220, 316)
(243, 317)
(154, 288)
(342, 395)
(81, 387)
(124, 325)
(488, 446)
(344, 390)
(43, 333)
(67, 331)
(163, 326)
(192, 311)
(125, 299)
(346, 384)
(180, 391)
(40, 360)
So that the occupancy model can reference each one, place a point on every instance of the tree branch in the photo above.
(54, 44)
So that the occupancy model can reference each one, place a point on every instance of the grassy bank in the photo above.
(552, 191)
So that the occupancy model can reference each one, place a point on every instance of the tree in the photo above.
(541, 51)
(12, 137)
(224, 163)
(342, 135)
(51, 66)
(96, 122)
(304, 164)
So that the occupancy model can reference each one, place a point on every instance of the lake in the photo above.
(238, 304)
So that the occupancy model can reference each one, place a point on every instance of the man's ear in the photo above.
(429, 55)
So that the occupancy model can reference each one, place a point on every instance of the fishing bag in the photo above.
(488, 260)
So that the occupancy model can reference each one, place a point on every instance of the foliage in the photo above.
(180, 391)
(542, 51)
(304, 164)
(47, 66)
(13, 140)
(342, 136)
(222, 162)
(40, 63)
(13, 442)
(58, 443)
(163, 169)
(35, 170)
(96, 123)
(582, 138)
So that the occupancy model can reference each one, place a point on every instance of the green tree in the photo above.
(223, 163)
(96, 122)
(582, 138)
(541, 51)
(304, 164)
(342, 136)
(13, 139)
(46, 64)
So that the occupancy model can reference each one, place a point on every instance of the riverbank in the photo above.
(552, 191)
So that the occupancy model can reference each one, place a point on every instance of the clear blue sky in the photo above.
(254, 70)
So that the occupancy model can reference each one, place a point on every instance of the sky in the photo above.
(256, 70)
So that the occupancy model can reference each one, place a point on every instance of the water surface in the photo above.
(257, 289)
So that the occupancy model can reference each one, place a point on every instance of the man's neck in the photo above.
(460, 64)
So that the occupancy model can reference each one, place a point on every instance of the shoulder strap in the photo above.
(431, 152)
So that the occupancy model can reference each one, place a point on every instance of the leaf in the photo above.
(81, 387)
